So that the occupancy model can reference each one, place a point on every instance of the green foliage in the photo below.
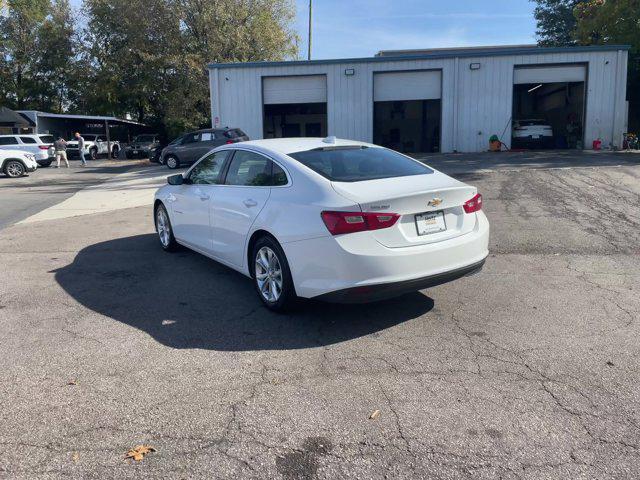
(143, 58)
(555, 21)
(615, 22)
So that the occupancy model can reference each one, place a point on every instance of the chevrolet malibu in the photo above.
(328, 219)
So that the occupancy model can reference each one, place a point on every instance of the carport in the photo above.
(549, 95)
(294, 106)
(407, 110)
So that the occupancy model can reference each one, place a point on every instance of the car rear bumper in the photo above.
(373, 293)
(356, 265)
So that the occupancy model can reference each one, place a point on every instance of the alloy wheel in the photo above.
(172, 162)
(163, 226)
(268, 274)
(15, 169)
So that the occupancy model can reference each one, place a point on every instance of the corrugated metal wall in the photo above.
(475, 103)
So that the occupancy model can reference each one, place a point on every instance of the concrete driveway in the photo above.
(527, 370)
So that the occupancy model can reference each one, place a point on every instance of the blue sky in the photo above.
(359, 28)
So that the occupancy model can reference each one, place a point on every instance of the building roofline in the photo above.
(81, 117)
(436, 54)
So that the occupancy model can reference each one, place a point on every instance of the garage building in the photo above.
(441, 100)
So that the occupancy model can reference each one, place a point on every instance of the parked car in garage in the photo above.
(41, 146)
(94, 146)
(335, 220)
(142, 146)
(532, 133)
(187, 149)
(16, 163)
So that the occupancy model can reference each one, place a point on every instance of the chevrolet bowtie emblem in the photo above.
(434, 202)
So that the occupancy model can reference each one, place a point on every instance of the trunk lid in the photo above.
(409, 197)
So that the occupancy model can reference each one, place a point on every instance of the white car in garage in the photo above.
(330, 219)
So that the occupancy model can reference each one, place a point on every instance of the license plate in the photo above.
(430, 222)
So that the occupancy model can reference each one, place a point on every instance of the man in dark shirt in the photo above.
(60, 147)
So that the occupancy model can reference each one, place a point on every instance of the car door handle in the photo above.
(249, 202)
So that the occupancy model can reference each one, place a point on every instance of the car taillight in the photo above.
(349, 222)
(474, 204)
(44, 147)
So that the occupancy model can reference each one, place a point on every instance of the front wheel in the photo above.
(93, 154)
(165, 232)
(271, 275)
(14, 169)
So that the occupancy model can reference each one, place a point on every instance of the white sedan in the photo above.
(330, 219)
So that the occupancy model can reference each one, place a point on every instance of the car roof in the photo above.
(300, 144)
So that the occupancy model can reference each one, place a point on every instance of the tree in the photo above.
(555, 22)
(55, 62)
(148, 58)
(615, 22)
(18, 50)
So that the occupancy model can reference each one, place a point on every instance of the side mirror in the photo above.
(175, 179)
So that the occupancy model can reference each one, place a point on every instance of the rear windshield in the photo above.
(47, 138)
(234, 133)
(357, 164)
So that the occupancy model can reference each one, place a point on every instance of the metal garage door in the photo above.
(294, 89)
(417, 85)
(555, 74)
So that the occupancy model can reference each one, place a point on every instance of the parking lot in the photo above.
(526, 370)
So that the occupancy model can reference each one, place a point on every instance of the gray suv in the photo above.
(188, 149)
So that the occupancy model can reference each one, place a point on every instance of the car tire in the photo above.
(272, 276)
(115, 152)
(164, 229)
(172, 162)
(14, 168)
(45, 164)
(93, 153)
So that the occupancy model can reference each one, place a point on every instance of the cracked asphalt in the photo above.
(528, 370)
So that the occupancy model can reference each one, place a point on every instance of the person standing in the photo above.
(80, 140)
(60, 147)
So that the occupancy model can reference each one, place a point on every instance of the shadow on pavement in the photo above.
(185, 300)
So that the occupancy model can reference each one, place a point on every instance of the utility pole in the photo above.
(310, 9)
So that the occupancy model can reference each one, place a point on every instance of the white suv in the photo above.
(16, 163)
(41, 146)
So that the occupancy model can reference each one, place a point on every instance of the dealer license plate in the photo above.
(430, 222)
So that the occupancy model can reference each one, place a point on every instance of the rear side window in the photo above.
(252, 169)
(234, 133)
(206, 136)
(46, 138)
(249, 169)
(28, 140)
(8, 141)
(357, 164)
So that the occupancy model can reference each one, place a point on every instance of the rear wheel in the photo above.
(14, 169)
(165, 232)
(45, 164)
(93, 153)
(271, 275)
(172, 162)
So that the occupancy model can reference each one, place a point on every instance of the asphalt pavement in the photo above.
(526, 370)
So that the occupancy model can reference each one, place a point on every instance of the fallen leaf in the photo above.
(139, 452)
(72, 382)
(75, 457)
(374, 415)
